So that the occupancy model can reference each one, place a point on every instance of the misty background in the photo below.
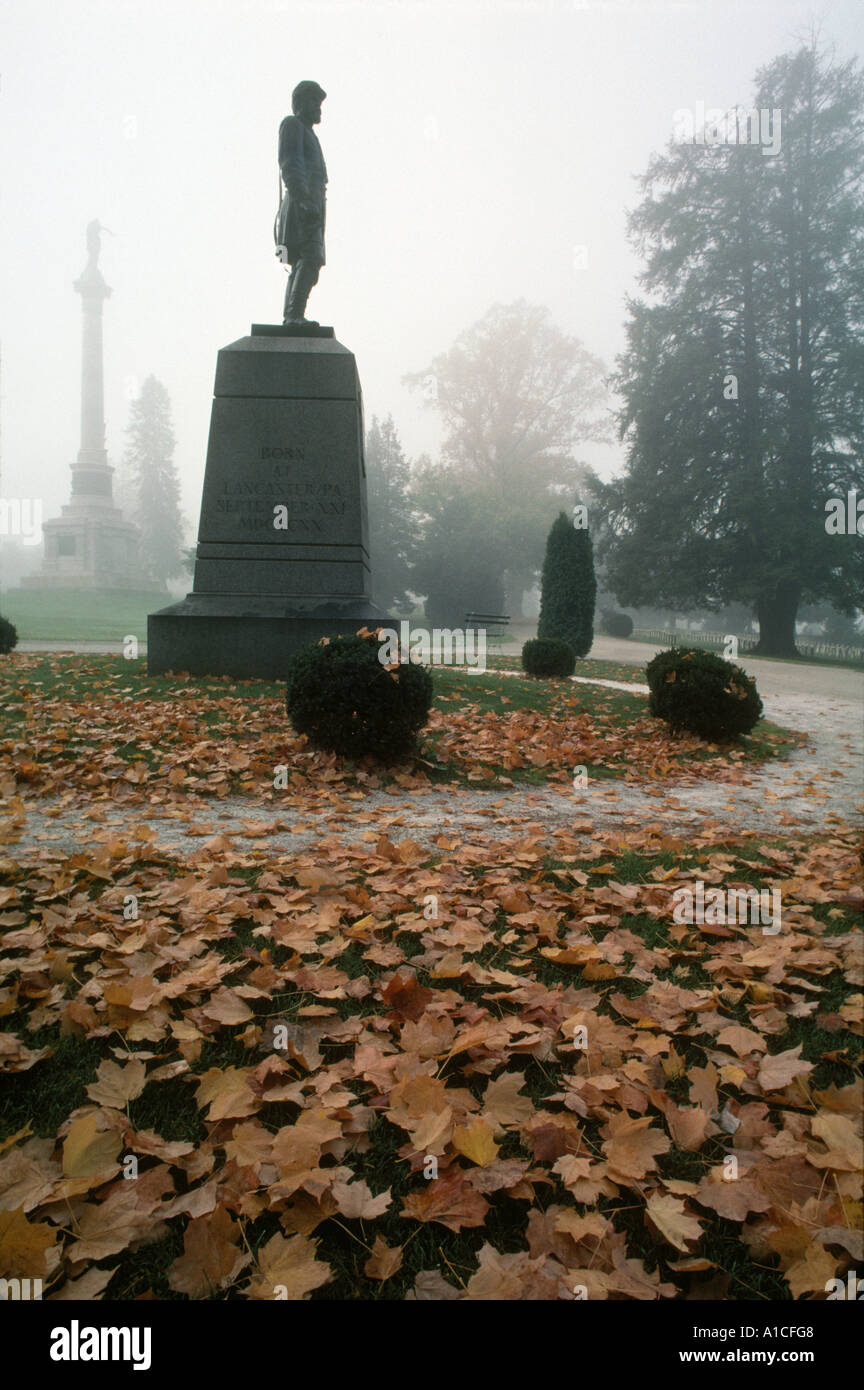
(472, 150)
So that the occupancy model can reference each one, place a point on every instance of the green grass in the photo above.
(503, 695)
(88, 677)
(68, 615)
(588, 669)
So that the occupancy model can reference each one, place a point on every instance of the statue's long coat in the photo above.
(302, 165)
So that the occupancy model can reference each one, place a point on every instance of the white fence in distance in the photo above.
(836, 650)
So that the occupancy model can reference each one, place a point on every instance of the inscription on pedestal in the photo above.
(264, 487)
(281, 502)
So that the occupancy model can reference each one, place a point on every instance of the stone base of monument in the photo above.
(283, 554)
(228, 636)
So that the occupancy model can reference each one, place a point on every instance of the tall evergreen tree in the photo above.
(150, 459)
(392, 521)
(743, 377)
(569, 587)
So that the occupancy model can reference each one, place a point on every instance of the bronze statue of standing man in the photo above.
(300, 221)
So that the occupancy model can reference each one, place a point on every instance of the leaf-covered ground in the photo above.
(100, 726)
(465, 1069)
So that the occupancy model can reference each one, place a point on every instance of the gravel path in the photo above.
(818, 786)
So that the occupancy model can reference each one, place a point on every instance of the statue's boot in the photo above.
(304, 274)
(289, 291)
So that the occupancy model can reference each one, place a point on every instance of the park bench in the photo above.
(494, 623)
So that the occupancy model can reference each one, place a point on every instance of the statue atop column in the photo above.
(91, 279)
(94, 243)
(299, 228)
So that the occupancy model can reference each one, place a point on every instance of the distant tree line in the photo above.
(516, 396)
(742, 390)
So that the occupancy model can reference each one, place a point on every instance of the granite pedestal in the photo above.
(283, 552)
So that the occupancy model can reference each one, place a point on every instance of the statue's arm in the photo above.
(291, 160)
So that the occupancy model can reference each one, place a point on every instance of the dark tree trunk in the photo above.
(776, 613)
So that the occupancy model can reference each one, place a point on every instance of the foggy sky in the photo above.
(470, 149)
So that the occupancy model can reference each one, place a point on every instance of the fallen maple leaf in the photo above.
(476, 1142)
(405, 997)
(843, 1140)
(593, 1223)
(28, 1175)
(430, 1286)
(210, 1259)
(775, 1072)
(509, 1278)
(633, 1145)
(811, 1273)
(504, 1101)
(415, 1098)
(670, 1217)
(89, 1148)
(355, 1200)
(227, 1007)
(128, 1214)
(434, 1132)
(741, 1040)
(249, 1145)
(115, 1086)
(288, 1269)
(688, 1126)
(449, 1200)
(27, 1248)
(735, 1200)
(384, 1261)
(88, 1288)
(228, 1093)
(584, 1179)
(299, 1146)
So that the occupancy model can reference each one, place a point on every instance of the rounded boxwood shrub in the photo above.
(543, 656)
(344, 700)
(8, 636)
(617, 624)
(695, 690)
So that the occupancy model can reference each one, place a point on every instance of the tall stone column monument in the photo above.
(90, 545)
(283, 551)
